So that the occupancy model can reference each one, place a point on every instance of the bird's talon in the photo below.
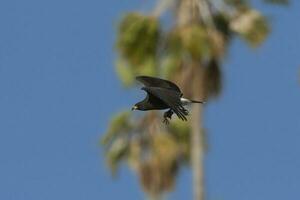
(166, 121)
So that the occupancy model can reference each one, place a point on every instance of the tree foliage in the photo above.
(145, 46)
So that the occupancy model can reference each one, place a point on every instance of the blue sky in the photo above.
(55, 58)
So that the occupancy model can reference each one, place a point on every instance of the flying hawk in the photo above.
(163, 94)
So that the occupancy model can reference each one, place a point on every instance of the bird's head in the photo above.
(135, 107)
(138, 106)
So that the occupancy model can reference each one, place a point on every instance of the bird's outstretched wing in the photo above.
(157, 82)
(169, 97)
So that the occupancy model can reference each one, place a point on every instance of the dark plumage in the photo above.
(163, 94)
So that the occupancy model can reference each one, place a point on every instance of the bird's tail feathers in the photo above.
(194, 101)
(186, 101)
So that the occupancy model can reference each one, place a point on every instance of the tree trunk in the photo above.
(187, 12)
(197, 150)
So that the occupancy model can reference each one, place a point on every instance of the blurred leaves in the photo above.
(212, 79)
(138, 37)
(181, 132)
(116, 140)
(124, 72)
(154, 151)
(251, 26)
(127, 74)
(119, 124)
(222, 23)
(191, 40)
(170, 64)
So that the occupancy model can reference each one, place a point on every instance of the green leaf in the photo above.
(258, 32)
(195, 41)
(116, 153)
(118, 125)
(148, 68)
(170, 64)
(124, 72)
(251, 26)
(138, 38)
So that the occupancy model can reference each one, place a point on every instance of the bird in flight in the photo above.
(163, 94)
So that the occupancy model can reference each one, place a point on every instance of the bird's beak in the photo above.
(134, 108)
